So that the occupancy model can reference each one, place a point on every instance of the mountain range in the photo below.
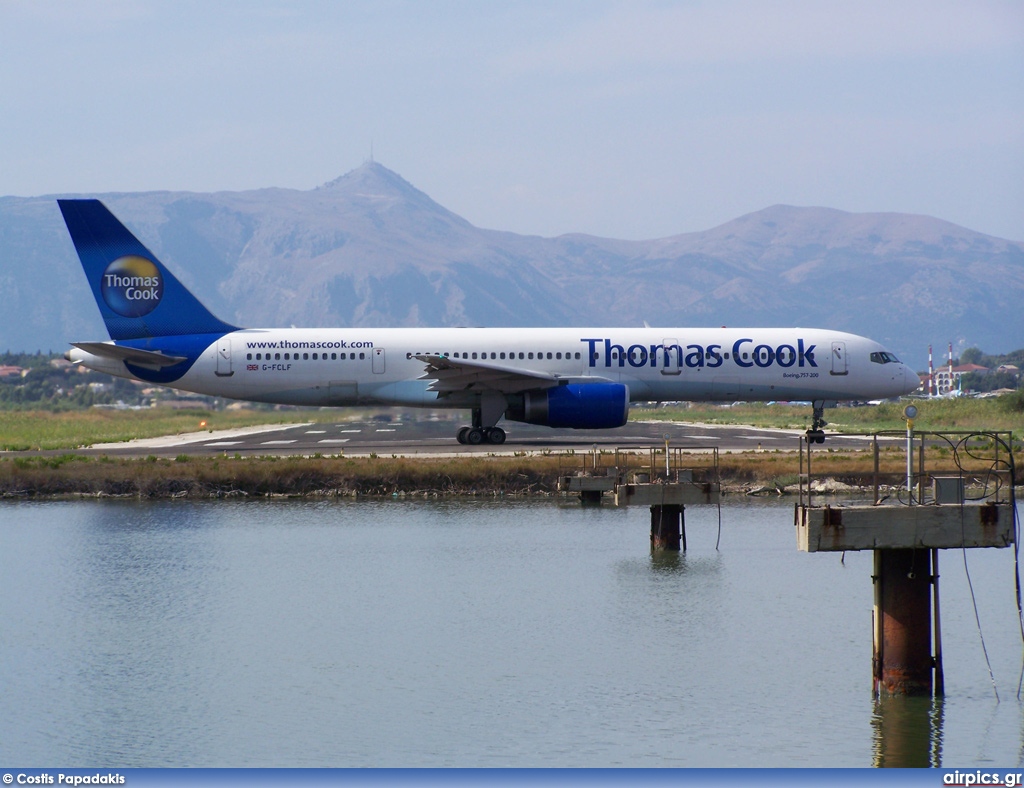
(369, 249)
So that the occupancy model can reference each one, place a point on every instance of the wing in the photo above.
(456, 374)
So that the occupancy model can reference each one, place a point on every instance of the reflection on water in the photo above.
(908, 731)
(467, 633)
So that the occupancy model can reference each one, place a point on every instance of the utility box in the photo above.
(949, 489)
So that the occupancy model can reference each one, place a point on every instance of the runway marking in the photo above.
(333, 440)
(276, 443)
(224, 443)
(316, 432)
(198, 437)
(388, 430)
(344, 431)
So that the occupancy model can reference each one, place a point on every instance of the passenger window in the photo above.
(578, 357)
(334, 356)
(549, 356)
(314, 356)
(503, 355)
(530, 356)
(362, 356)
(277, 357)
(305, 356)
(248, 356)
(474, 355)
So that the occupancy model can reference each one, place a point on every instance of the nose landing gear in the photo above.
(816, 434)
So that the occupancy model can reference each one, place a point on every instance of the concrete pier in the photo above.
(668, 527)
(902, 659)
(906, 537)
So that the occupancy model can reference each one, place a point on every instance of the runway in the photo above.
(436, 438)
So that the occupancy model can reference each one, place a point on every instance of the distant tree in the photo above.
(980, 381)
(972, 355)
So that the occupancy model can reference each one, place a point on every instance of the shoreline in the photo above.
(74, 476)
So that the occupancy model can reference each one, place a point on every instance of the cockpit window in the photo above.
(884, 358)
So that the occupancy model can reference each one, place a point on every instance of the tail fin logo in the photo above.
(132, 286)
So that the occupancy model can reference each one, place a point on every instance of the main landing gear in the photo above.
(816, 434)
(491, 409)
(474, 436)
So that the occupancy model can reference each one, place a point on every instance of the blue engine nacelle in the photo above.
(586, 406)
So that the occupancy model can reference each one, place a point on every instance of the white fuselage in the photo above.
(349, 366)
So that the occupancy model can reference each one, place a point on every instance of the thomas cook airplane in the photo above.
(561, 377)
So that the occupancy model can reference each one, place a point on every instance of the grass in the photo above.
(70, 474)
(1003, 413)
(269, 476)
(24, 430)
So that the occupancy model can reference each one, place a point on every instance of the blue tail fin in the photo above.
(137, 296)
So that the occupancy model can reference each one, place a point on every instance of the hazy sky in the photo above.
(628, 120)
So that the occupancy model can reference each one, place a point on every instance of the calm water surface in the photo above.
(470, 633)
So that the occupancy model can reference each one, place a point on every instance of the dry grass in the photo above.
(69, 475)
(220, 476)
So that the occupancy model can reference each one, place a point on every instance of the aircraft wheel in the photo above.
(460, 436)
(496, 435)
(475, 436)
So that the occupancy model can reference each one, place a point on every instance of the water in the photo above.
(470, 633)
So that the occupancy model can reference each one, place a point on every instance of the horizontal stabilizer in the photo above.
(141, 358)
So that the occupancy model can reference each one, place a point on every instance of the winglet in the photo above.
(136, 295)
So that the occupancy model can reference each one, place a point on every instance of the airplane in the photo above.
(581, 378)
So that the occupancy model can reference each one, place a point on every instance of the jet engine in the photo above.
(586, 406)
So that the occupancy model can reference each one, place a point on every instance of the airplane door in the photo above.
(378, 361)
(839, 358)
(671, 363)
(224, 358)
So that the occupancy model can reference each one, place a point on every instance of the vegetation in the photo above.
(996, 413)
(990, 380)
(71, 474)
(42, 430)
(491, 475)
